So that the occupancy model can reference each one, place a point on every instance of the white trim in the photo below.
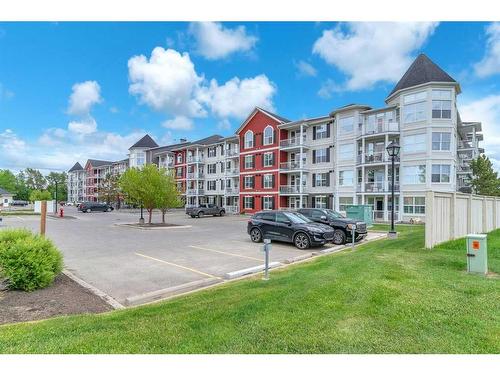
(264, 136)
(262, 171)
(248, 193)
(259, 150)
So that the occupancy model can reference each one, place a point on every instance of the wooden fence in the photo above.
(454, 215)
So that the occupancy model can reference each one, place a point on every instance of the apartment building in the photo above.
(77, 179)
(331, 161)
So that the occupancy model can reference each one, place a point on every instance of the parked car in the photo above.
(19, 203)
(94, 206)
(288, 226)
(205, 209)
(342, 225)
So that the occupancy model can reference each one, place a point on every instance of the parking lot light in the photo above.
(141, 220)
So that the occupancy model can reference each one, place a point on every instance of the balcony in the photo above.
(377, 187)
(232, 172)
(380, 216)
(194, 159)
(195, 176)
(232, 190)
(195, 192)
(294, 143)
(292, 166)
(232, 209)
(232, 153)
(292, 189)
(378, 129)
(376, 157)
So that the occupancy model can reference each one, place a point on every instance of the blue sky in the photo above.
(71, 91)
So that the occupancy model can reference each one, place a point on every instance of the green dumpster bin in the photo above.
(361, 212)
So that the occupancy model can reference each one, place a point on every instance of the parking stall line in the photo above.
(178, 265)
(226, 253)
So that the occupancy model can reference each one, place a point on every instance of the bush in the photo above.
(28, 261)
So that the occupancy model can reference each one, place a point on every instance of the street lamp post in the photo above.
(141, 220)
(393, 151)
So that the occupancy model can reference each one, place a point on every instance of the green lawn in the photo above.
(389, 296)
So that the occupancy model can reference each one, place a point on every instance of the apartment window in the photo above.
(248, 202)
(321, 179)
(222, 167)
(414, 174)
(212, 152)
(344, 202)
(268, 181)
(414, 143)
(414, 205)
(267, 203)
(321, 155)
(249, 161)
(179, 158)
(415, 97)
(441, 173)
(228, 165)
(346, 152)
(346, 124)
(320, 201)
(346, 178)
(249, 182)
(211, 168)
(321, 131)
(268, 159)
(268, 135)
(441, 141)
(178, 172)
(212, 185)
(222, 184)
(249, 139)
(441, 104)
(414, 107)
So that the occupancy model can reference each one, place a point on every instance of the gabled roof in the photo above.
(208, 140)
(98, 163)
(76, 167)
(279, 119)
(145, 142)
(5, 192)
(422, 70)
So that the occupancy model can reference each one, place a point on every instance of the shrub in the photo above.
(28, 261)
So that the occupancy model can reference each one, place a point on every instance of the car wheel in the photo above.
(193, 216)
(222, 213)
(256, 235)
(339, 237)
(301, 241)
(109, 209)
(200, 214)
(88, 210)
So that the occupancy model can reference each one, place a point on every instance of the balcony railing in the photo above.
(292, 189)
(376, 157)
(291, 166)
(377, 187)
(194, 175)
(195, 192)
(232, 172)
(380, 128)
(194, 159)
(232, 190)
(232, 153)
(379, 215)
(293, 142)
(232, 209)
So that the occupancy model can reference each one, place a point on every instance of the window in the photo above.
(441, 173)
(249, 161)
(321, 131)
(414, 112)
(441, 104)
(267, 203)
(346, 152)
(321, 179)
(222, 184)
(414, 174)
(249, 139)
(346, 178)
(344, 202)
(268, 159)
(414, 143)
(441, 141)
(249, 182)
(212, 152)
(320, 202)
(211, 168)
(268, 181)
(415, 97)
(346, 124)
(268, 136)
(179, 158)
(248, 202)
(268, 216)
(222, 167)
(212, 185)
(321, 156)
(414, 205)
(178, 172)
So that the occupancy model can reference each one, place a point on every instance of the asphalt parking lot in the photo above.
(135, 265)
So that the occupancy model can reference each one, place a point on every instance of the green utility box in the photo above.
(361, 212)
(477, 253)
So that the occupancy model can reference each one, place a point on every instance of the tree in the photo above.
(169, 196)
(22, 191)
(61, 179)
(40, 195)
(8, 180)
(34, 179)
(110, 189)
(485, 180)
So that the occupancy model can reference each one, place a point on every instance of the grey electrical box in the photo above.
(477, 253)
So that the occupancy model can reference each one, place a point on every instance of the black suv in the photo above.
(341, 224)
(94, 206)
(288, 226)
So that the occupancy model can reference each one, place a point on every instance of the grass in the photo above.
(18, 213)
(388, 296)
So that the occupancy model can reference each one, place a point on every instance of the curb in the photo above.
(169, 292)
(298, 258)
(107, 298)
(125, 225)
(251, 270)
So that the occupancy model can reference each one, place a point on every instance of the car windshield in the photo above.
(334, 214)
(297, 218)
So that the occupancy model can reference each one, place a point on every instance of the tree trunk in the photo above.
(150, 211)
(163, 216)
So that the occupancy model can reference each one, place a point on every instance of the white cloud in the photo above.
(5, 93)
(372, 52)
(237, 97)
(83, 96)
(328, 88)
(114, 109)
(214, 41)
(178, 123)
(487, 111)
(305, 69)
(490, 64)
(224, 124)
(85, 126)
(167, 82)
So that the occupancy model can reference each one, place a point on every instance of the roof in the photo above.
(282, 119)
(76, 167)
(208, 140)
(145, 142)
(5, 192)
(279, 119)
(99, 163)
(422, 70)
(350, 107)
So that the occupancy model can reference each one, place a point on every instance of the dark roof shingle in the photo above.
(76, 167)
(99, 163)
(145, 142)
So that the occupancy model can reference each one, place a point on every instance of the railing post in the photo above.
(429, 205)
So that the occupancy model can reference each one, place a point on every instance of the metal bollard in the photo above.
(266, 248)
